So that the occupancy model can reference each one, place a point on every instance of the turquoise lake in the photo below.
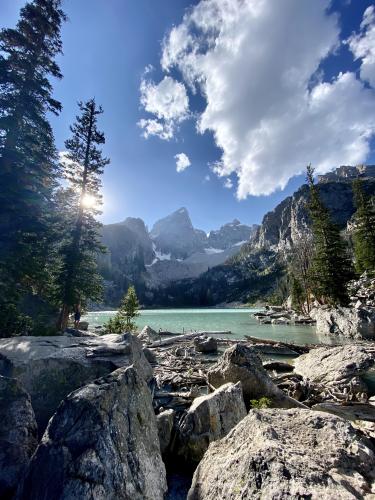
(239, 321)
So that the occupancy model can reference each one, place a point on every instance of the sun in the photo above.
(89, 201)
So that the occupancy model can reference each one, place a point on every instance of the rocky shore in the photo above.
(116, 416)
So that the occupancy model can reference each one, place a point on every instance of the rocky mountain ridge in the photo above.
(173, 250)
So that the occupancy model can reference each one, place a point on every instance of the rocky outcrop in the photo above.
(230, 234)
(286, 454)
(101, 443)
(148, 335)
(165, 425)
(18, 434)
(352, 322)
(209, 418)
(289, 221)
(241, 363)
(337, 368)
(49, 368)
(205, 344)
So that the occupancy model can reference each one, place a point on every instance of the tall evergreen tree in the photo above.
(27, 152)
(364, 231)
(78, 279)
(331, 267)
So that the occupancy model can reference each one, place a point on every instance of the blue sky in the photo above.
(108, 45)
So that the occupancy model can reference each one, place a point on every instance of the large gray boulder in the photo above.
(165, 425)
(18, 434)
(241, 363)
(205, 344)
(337, 368)
(209, 418)
(274, 454)
(102, 443)
(49, 368)
(352, 322)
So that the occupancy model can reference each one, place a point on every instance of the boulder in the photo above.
(149, 355)
(148, 335)
(241, 363)
(351, 322)
(18, 434)
(49, 368)
(274, 454)
(209, 418)
(337, 368)
(205, 344)
(83, 325)
(101, 443)
(165, 425)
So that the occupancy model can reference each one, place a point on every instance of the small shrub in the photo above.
(261, 403)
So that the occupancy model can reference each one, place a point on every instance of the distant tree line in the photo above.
(49, 235)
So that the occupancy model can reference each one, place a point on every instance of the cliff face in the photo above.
(281, 227)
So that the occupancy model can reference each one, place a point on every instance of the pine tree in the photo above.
(331, 267)
(128, 311)
(83, 164)
(364, 231)
(27, 153)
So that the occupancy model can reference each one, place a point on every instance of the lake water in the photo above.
(239, 321)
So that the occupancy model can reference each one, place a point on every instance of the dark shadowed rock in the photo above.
(49, 368)
(18, 434)
(165, 425)
(149, 355)
(209, 418)
(274, 454)
(102, 443)
(205, 344)
(338, 368)
(241, 363)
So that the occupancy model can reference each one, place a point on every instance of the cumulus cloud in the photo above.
(267, 105)
(363, 46)
(182, 162)
(228, 184)
(168, 102)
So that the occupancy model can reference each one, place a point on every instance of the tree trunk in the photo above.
(63, 318)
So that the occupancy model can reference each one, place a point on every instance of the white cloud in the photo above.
(207, 178)
(168, 102)
(182, 162)
(255, 63)
(363, 46)
(228, 184)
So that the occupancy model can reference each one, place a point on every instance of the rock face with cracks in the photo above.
(352, 322)
(209, 418)
(337, 368)
(274, 454)
(49, 368)
(241, 363)
(18, 434)
(102, 443)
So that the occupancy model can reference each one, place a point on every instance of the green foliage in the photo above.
(260, 403)
(78, 279)
(128, 311)
(364, 231)
(297, 292)
(28, 166)
(331, 267)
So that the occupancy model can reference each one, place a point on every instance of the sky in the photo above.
(217, 105)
